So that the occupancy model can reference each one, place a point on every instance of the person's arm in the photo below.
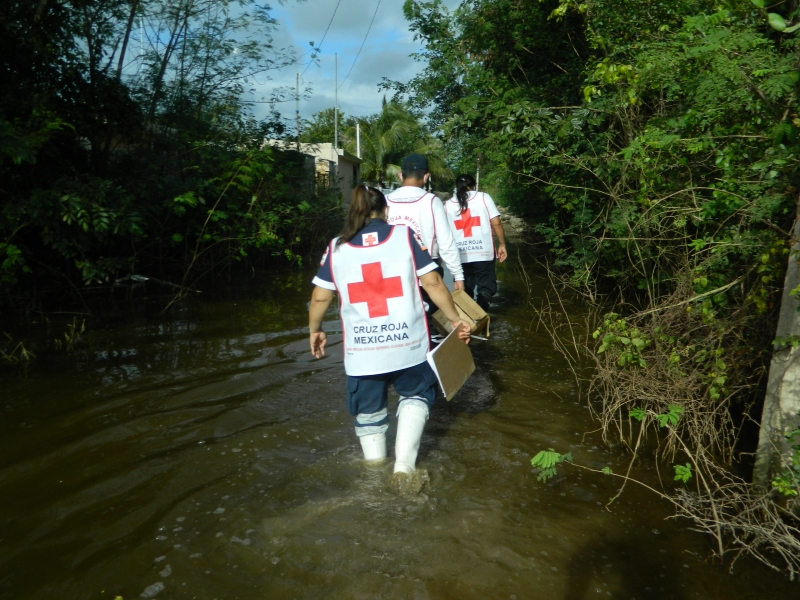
(497, 227)
(320, 301)
(447, 245)
(433, 284)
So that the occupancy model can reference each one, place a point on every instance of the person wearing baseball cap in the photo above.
(423, 212)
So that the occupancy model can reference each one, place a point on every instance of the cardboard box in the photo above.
(469, 311)
(452, 362)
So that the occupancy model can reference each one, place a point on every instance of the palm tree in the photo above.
(387, 137)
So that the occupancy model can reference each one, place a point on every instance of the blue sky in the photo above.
(386, 52)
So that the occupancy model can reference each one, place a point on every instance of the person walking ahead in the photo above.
(374, 267)
(473, 217)
(412, 206)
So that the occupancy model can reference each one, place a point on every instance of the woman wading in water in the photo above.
(473, 218)
(375, 267)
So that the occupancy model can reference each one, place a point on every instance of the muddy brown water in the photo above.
(206, 455)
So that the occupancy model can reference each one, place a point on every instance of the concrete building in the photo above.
(332, 167)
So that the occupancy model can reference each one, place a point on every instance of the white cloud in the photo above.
(386, 53)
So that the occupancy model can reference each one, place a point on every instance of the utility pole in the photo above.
(297, 108)
(358, 139)
(336, 103)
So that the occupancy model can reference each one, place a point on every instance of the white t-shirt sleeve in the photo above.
(447, 244)
(426, 269)
(323, 284)
(490, 206)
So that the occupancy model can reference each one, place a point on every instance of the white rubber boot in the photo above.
(411, 417)
(374, 446)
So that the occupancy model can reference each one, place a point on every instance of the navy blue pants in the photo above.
(368, 395)
(480, 277)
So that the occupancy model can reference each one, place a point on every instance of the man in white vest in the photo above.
(412, 206)
(376, 269)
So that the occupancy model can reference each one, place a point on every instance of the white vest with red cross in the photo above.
(383, 320)
(472, 229)
(418, 215)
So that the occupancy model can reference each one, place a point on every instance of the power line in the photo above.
(323, 36)
(329, 24)
(362, 44)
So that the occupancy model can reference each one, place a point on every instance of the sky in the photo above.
(386, 53)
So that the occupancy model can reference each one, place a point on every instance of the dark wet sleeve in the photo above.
(422, 258)
(324, 278)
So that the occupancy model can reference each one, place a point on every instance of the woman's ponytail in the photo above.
(366, 203)
(464, 185)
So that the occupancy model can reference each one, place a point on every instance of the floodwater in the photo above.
(206, 455)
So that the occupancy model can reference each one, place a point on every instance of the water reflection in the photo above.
(205, 455)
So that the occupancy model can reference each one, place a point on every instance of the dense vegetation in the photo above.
(654, 145)
(385, 138)
(127, 146)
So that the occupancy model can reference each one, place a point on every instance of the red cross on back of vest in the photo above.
(375, 290)
(467, 222)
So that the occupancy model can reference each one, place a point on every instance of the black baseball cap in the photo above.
(414, 162)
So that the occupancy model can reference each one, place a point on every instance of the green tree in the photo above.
(320, 130)
(387, 137)
(126, 142)
(655, 147)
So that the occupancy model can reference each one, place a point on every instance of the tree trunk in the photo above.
(782, 400)
(173, 41)
(128, 27)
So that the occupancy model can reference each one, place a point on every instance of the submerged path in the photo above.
(206, 455)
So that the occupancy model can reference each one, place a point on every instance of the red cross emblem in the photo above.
(375, 290)
(467, 222)
(369, 239)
